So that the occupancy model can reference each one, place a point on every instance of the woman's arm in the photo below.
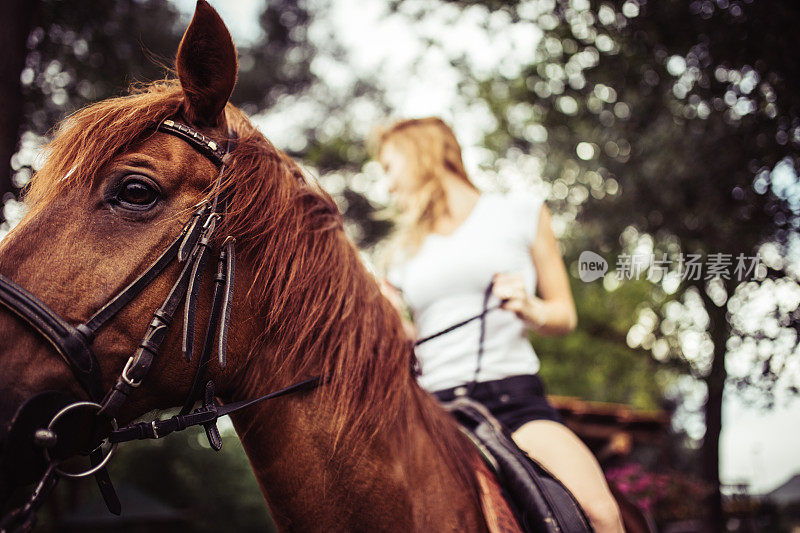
(554, 313)
(396, 299)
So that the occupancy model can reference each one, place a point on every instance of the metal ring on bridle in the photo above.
(125, 377)
(96, 467)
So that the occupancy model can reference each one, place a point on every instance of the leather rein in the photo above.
(192, 248)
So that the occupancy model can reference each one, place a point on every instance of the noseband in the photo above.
(192, 248)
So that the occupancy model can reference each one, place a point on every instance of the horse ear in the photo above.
(207, 66)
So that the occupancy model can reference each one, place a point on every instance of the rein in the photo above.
(192, 247)
(480, 316)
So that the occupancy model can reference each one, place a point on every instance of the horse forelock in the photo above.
(89, 138)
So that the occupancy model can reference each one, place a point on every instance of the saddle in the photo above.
(540, 502)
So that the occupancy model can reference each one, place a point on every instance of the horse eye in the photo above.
(136, 193)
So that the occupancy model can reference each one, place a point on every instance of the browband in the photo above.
(203, 144)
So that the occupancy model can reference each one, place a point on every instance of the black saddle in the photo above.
(540, 501)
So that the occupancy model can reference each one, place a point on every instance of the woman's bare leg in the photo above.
(561, 452)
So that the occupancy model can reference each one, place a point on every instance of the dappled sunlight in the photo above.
(663, 136)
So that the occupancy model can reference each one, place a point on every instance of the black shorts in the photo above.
(513, 401)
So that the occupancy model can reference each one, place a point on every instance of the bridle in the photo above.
(192, 247)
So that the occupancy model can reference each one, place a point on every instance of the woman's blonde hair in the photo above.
(430, 148)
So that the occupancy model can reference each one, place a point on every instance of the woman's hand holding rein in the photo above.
(545, 317)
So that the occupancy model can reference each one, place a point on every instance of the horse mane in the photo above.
(322, 309)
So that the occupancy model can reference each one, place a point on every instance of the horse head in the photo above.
(117, 188)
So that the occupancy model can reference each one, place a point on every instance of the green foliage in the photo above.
(218, 488)
(211, 491)
(279, 63)
(681, 121)
(594, 362)
(671, 134)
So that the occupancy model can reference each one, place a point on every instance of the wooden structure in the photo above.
(612, 430)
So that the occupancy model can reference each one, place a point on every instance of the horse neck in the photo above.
(390, 477)
(394, 480)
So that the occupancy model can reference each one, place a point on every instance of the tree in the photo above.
(13, 42)
(673, 127)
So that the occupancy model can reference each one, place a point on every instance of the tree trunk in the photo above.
(17, 17)
(719, 329)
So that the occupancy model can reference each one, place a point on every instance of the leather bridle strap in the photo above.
(197, 140)
(205, 415)
(139, 363)
(220, 312)
(482, 317)
(115, 305)
(194, 250)
(70, 343)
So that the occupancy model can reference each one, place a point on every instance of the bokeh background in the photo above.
(660, 127)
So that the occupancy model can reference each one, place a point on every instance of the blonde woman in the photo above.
(451, 241)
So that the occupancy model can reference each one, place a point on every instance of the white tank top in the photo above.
(445, 281)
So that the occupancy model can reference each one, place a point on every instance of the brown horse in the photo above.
(368, 450)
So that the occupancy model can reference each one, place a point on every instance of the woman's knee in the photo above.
(603, 512)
